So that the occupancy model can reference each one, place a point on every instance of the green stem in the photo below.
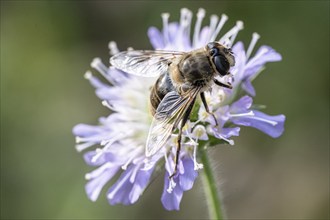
(210, 188)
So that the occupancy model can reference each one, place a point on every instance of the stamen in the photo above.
(200, 17)
(98, 154)
(81, 147)
(99, 66)
(222, 21)
(191, 142)
(165, 17)
(185, 21)
(104, 142)
(109, 142)
(171, 186)
(131, 158)
(239, 27)
(193, 124)
(167, 163)
(78, 139)
(232, 33)
(187, 134)
(113, 48)
(274, 123)
(197, 165)
(147, 164)
(118, 186)
(255, 38)
(231, 142)
(83, 139)
(213, 23)
(250, 113)
(134, 173)
(97, 172)
(226, 42)
(88, 75)
(106, 104)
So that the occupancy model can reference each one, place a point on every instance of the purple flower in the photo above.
(172, 195)
(116, 146)
(240, 113)
(246, 69)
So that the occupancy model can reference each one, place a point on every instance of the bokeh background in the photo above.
(46, 47)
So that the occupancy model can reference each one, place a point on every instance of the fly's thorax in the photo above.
(196, 68)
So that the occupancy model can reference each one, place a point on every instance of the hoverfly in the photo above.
(182, 77)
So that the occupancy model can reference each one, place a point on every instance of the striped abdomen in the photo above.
(162, 86)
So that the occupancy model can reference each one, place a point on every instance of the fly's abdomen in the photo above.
(162, 86)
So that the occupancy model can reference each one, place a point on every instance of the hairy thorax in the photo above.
(192, 70)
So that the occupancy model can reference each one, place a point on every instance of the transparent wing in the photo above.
(168, 115)
(144, 62)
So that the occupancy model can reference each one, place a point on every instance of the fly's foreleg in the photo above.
(222, 84)
(207, 108)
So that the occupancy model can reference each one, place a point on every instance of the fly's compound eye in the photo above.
(221, 64)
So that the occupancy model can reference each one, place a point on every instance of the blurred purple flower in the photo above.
(121, 137)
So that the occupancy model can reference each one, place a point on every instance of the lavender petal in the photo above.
(156, 38)
(271, 125)
(241, 105)
(140, 183)
(95, 185)
(264, 54)
(186, 180)
(171, 201)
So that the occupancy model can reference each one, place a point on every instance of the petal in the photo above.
(228, 132)
(171, 201)
(173, 30)
(156, 38)
(203, 37)
(119, 192)
(264, 54)
(117, 77)
(125, 191)
(186, 180)
(271, 125)
(238, 49)
(141, 182)
(240, 61)
(95, 185)
(248, 87)
(96, 83)
(108, 93)
(104, 158)
(84, 130)
(241, 105)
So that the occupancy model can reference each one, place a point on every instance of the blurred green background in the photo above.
(46, 47)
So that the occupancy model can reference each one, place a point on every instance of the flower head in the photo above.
(117, 144)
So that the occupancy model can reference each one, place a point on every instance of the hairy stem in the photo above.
(210, 188)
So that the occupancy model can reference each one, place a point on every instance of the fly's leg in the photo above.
(207, 108)
(176, 160)
(222, 84)
(183, 123)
